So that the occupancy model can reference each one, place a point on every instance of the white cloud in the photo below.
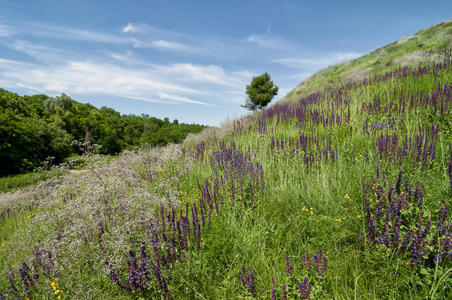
(117, 64)
(73, 34)
(162, 44)
(318, 62)
(181, 99)
(269, 41)
(5, 31)
(121, 56)
(262, 40)
(179, 83)
(152, 32)
(151, 40)
(129, 28)
(39, 52)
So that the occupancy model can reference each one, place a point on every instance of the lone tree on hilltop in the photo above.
(260, 92)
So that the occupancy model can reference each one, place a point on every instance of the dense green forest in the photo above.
(33, 128)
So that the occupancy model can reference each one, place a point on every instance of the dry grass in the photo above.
(358, 74)
(418, 57)
(225, 128)
(404, 39)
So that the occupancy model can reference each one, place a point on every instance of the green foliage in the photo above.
(260, 92)
(12, 182)
(33, 128)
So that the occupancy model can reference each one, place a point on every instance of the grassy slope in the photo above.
(309, 201)
(406, 51)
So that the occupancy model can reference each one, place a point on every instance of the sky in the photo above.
(190, 60)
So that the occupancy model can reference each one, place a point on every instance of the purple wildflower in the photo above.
(307, 260)
(10, 276)
(305, 289)
(320, 262)
(289, 266)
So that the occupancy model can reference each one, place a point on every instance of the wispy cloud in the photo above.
(120, 73)
(74, 34)
(142, 62)
(125, 57)
(181, 99)
(204, 74)
(129, 28)
(152, 40)
(5, 31)
(164, 84)
(318, 62)
(162, 44)
(144, 29)
(270, 41)
(38, 52)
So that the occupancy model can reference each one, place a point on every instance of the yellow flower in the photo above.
(54, 284)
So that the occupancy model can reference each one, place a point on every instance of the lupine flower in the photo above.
(320, 262)
(248, 279)
(396, 231)
(273, 295)
(115, 278)
(305, 289)
(10, 276)
(289, 266)
(399, 182)
(445, 249)
(442, 223)
(243, 275)
(27, 281)
(307, 260)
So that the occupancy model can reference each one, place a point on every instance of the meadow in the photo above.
(342, 193)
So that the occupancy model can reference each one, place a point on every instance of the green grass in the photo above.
(12, 182)
(110, 210)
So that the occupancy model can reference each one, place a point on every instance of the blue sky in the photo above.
(189, 60)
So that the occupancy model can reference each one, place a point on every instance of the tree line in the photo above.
(33, 128)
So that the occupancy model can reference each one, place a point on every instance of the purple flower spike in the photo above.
(289, 266)
(273, 294)
(320, 262)
(307, 260)
(305, 289)
(248, 280)
(284, 292)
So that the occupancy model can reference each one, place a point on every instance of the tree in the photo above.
(260, 92)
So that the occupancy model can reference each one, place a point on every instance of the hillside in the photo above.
(421, 47)
(343, 192)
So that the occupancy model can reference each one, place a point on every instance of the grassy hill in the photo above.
(343, 192)
(421, 47)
